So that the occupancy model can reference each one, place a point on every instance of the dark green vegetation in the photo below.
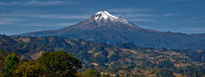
(11, 62)
(50, 64)
(61, 63)
(104, 59)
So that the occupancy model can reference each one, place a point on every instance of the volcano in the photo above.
(105, 27)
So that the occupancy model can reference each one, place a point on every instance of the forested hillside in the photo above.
(123, 59)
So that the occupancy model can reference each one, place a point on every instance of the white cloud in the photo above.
(39, 3)
(10, 19)
(4, 23)
(7, 21)
(43, 3)
(141, 20)
(52, 16)
(9, 3)
(47, 24)
(64, 24)
(134, 15)
(169, 14)
(18, 19)
(128, 10)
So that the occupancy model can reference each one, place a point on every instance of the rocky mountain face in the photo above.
(104, 27)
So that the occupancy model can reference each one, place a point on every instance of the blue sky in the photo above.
(20, 16)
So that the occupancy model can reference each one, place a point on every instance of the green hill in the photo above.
(123, 59)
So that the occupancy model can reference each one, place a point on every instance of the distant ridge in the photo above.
(105, 27)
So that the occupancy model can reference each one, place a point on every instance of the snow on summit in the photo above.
(105, 16)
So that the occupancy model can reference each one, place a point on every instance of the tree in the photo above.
(59, 63)
(10, 64)
(29, 69)
(3, 54)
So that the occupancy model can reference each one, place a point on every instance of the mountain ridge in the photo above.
(110, 58)
(104, 27)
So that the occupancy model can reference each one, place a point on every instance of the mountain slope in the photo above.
(117, 59)
(105, 27)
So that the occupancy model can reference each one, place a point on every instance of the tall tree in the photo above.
(29, 69)
(59, 63)
(10, 64)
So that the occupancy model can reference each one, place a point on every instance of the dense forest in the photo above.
(98, 58)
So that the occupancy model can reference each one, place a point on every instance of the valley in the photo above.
(124, 59)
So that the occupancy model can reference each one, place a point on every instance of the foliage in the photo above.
(50, 64)
(3, 54)
(90, 73)
(10, 64)
(59, 63)
(29, 69)
(106, 57)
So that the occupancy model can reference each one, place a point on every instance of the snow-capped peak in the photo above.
(105, 16)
